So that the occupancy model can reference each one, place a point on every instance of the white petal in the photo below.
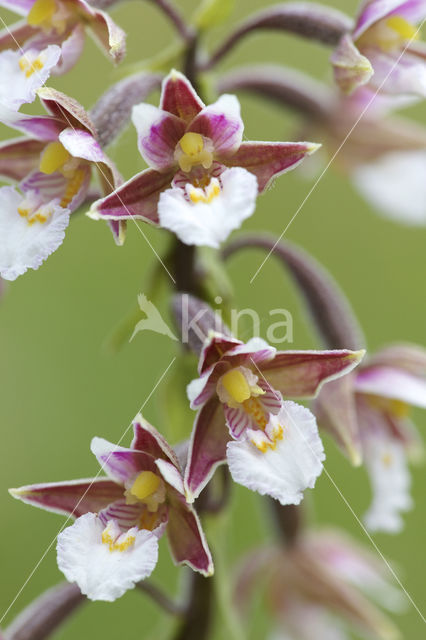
(20, 78)
(390, 481)
(209, 224)
(286, 471)
(102, 574)
(396, 185)
(22, 245)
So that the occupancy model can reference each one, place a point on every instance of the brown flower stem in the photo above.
(197, 624)
(288, 520)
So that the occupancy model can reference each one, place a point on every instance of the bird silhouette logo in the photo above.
(153, 321)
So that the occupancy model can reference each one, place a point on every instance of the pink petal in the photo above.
(372, 12)
(137, 198)
(410, 357)
(18, 157)
(72, 48)
(179, 98)
(300, 374)
(158, 134)
(222, 123)
(150, 441)
(75, 497)
(186, 538)
(16, 35)
(213, 350)
(392, 383)
(119, 463)
(66, 109)
(351, 68)
(269, 159)
(207, 447)
(126, 515)
(108, 34)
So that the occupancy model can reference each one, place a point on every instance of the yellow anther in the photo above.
(29, 67)
(145, 485)
(253, 407)
(53, 158)
(41, 12)
(402, 27)
(117, 544)
(236, 385)
(23, 212)
(199, 195)
(192, 143)
(191, 151)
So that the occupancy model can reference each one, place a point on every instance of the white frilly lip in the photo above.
(396, 186)
(286, 471)
(102, 574)
(22, 245)
(20, 77)
(209, 224)
(390, 481)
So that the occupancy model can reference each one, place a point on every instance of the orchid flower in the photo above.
(385, 155)
(321, 587)
(54, 170)
(114, 541)
(202, 180)
(63, 23)
(383, 49)
(368, 412)
(271, 445)
(30, 230)
(23, 73)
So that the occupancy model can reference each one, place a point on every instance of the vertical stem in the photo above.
(289, 521)
(172, 13)
(197, 623)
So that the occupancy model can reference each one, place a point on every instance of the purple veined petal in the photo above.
(16, 35)
(200, 390)
(300, 374)
(335, 411)
(186, 537)
(19, 157)
(207, 448)
(395, 75)
(351, 68)
(110, 37)
(221, 122)
(237, 421)
(119, 463)
(409, 357)
(158, 134)
(256, 350)
(179, 98)
(214, 348)
(71, 192)
(171, 474)
(44, 128)
(72, 48)
(374, 11)
(136, 198)
(66, 109)
(413, 11)
(81, 144)
(392, 383)
(148, 439)
(267, 160)
(74, 497)
(118, 230)
(126, 515)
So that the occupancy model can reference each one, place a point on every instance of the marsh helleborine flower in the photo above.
(54, 170)
(383, 49)
(203, 180)
(369, 409)
(114, 541)
(272, 446)
(63, 23)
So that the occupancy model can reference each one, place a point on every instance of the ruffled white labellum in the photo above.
(206, 216)
(29, 231)
(23, 73)
(390, 480)
(396, 185)
(103, 561)
(288, 467)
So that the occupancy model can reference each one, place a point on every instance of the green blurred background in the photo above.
(60, 386)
